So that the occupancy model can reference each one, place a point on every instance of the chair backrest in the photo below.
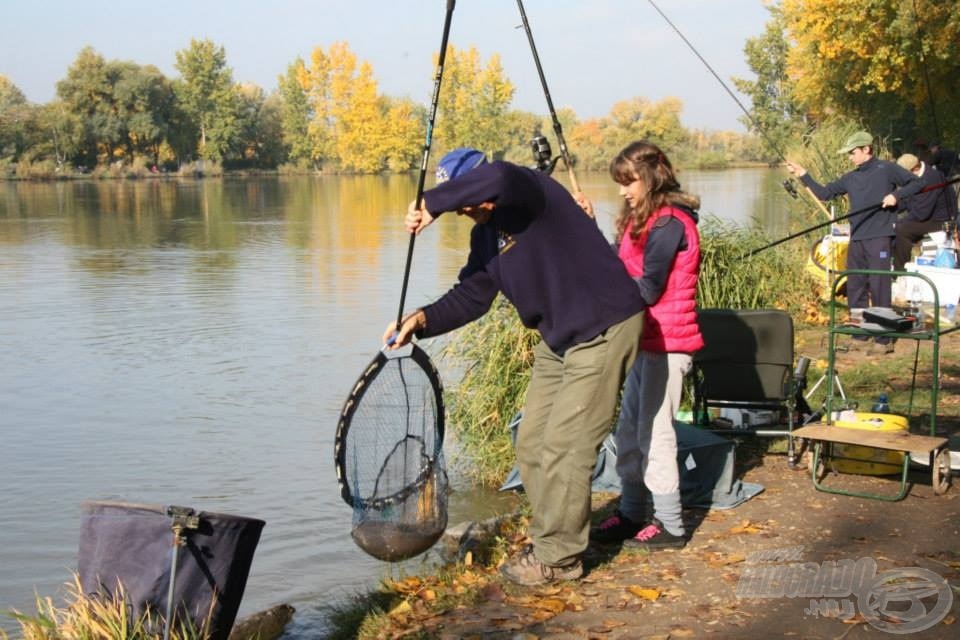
(747, 356)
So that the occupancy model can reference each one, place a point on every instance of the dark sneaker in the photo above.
(654, 536)
(616, 528)
(525, 569)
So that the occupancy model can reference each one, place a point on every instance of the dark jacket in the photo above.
(867, 186)
(539, 248)
(936, 204)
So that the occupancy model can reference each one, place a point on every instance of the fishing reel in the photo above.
(791, 188)
(542, 154)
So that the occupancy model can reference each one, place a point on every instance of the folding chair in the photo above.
(747, 363)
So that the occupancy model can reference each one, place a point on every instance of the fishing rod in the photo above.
(873, 207)
(426, 149)
(546, 92)
(788, 184)
(926, 72)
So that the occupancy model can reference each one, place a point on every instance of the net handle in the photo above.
(428, 140)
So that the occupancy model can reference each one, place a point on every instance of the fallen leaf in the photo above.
(644, 593)
(681, 632)
(553, 605)
(613, 624)
(746, 527)
(402, 608)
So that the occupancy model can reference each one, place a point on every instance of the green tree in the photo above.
(144, 102)
(15, 113)
(294, 112)
(774, 114)
(90, 130)
(208, 97)
(259, 142)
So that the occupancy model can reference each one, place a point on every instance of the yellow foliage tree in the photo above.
(473, 102)
(874, 59)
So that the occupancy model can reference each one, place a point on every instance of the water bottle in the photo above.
(882, 405)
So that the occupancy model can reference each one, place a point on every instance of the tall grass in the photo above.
(88, 618)
(770, 279)
(497, 355)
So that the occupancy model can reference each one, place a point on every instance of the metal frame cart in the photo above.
(825, 435)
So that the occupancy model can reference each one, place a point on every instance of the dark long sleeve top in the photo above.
(936, 204)
(664, 241)
(538, 248)
(867, 186)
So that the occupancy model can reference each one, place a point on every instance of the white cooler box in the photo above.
(947, 282)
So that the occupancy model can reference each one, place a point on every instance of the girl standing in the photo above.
(660, 248)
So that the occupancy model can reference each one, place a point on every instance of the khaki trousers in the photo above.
(569, 410)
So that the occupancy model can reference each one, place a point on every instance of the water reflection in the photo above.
(191, 342)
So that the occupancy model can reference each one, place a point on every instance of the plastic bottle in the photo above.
(882, 405)
(915, 303)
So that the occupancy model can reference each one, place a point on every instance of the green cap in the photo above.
(859, 139)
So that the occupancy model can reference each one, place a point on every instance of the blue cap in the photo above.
(458, 162)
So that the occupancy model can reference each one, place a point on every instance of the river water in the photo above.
(191, 342)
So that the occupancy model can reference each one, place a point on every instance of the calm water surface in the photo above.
(191, 343)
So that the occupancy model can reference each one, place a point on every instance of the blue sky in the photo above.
(593, 52)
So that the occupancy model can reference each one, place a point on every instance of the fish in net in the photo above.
(389, 456)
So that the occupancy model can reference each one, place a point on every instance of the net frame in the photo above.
(363, 384)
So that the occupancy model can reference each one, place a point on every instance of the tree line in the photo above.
(887, 65)
(326, 114)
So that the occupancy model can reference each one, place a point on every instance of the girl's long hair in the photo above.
(645, 161)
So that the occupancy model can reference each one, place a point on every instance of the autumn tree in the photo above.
(207, 96)
(876, 59)
(474, 99)
(294, 113)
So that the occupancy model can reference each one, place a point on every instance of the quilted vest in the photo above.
(670, 325)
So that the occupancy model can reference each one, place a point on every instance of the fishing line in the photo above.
(879, 205)
(788, 185)
(546, 92)
(926, 73)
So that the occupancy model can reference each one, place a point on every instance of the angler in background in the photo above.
(874, 188)
(532, 243)
(924, 212)
(660, 246)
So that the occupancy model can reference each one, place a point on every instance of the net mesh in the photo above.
(390, 458)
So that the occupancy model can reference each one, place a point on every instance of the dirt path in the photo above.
(693, 592)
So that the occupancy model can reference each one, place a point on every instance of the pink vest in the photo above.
(670, 325)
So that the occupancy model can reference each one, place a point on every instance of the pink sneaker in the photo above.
(654, 536)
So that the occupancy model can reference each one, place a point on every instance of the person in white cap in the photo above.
(923, 212)
(874, 187)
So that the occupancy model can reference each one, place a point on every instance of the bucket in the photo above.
(827, 256)
(851, 458)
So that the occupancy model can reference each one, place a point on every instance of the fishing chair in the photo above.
(746, 365)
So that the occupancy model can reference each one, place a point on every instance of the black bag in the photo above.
(132, 544)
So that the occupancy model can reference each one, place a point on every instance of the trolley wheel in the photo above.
(941, 471)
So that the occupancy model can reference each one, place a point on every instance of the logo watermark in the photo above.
(895, 601)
